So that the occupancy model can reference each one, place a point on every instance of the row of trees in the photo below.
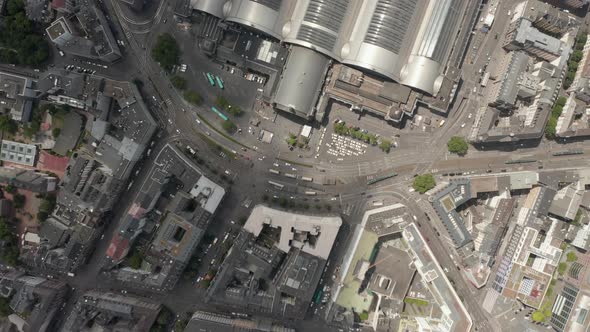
(574, 60)
(284, 202)
(551, 127)
(342, 129)
(224, 104)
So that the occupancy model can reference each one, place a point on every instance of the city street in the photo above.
(350, 163)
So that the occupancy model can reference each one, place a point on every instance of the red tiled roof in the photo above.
(52, 163)
(55, 4)
(118, 248)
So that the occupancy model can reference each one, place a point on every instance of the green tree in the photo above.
(55, 132)
(135, 260)
(550, 129)
(178, 82)
(8, 125)
(363, 316)
(46, 207)
(5, 307)
(340, 128)
(538, 316)
(561, 268)
(385, 145)
(229, 126)
(576, 56)
(138, 82)
(10, 189)
(582, 37)
(458, 145)
(9, 253)
(242, 220)
(235, 111)
(372, 139)
(181, 324)
(423, 183)
(31, 129)
(291, 140)
(571, 257)
(166, 51)
(20, 42)
(193, 97)
(163, 317)
(221, 102)
(19, 201)
(14, 7)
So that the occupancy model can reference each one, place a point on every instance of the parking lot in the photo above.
(341, 146)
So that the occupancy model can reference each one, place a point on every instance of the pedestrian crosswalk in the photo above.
(490, 300)
(168, 102)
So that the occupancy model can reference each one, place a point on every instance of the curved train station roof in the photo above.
(408, 41)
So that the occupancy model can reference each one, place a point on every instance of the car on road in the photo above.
(198, 121)
(463, 125)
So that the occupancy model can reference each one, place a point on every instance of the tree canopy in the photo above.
(229, 126)
(193, 97)
(135, 260)
(423, 183)
(166, 51)
(19, 200)
(458, 145)
(9, 253)
(385, 145)
(178, 82)
(5, 307)
(20, 43)
(8, 125)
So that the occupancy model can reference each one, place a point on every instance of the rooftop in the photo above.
(446, 201)
(314, 235)
(202, 321)
(105, 310)
(457, 317)
(19, 153)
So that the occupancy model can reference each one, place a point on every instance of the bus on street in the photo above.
(210, 79)
(219, 82)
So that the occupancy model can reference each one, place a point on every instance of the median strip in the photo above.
(295, 162)
(222, 133)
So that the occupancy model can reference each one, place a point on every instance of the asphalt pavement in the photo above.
(178, 120)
